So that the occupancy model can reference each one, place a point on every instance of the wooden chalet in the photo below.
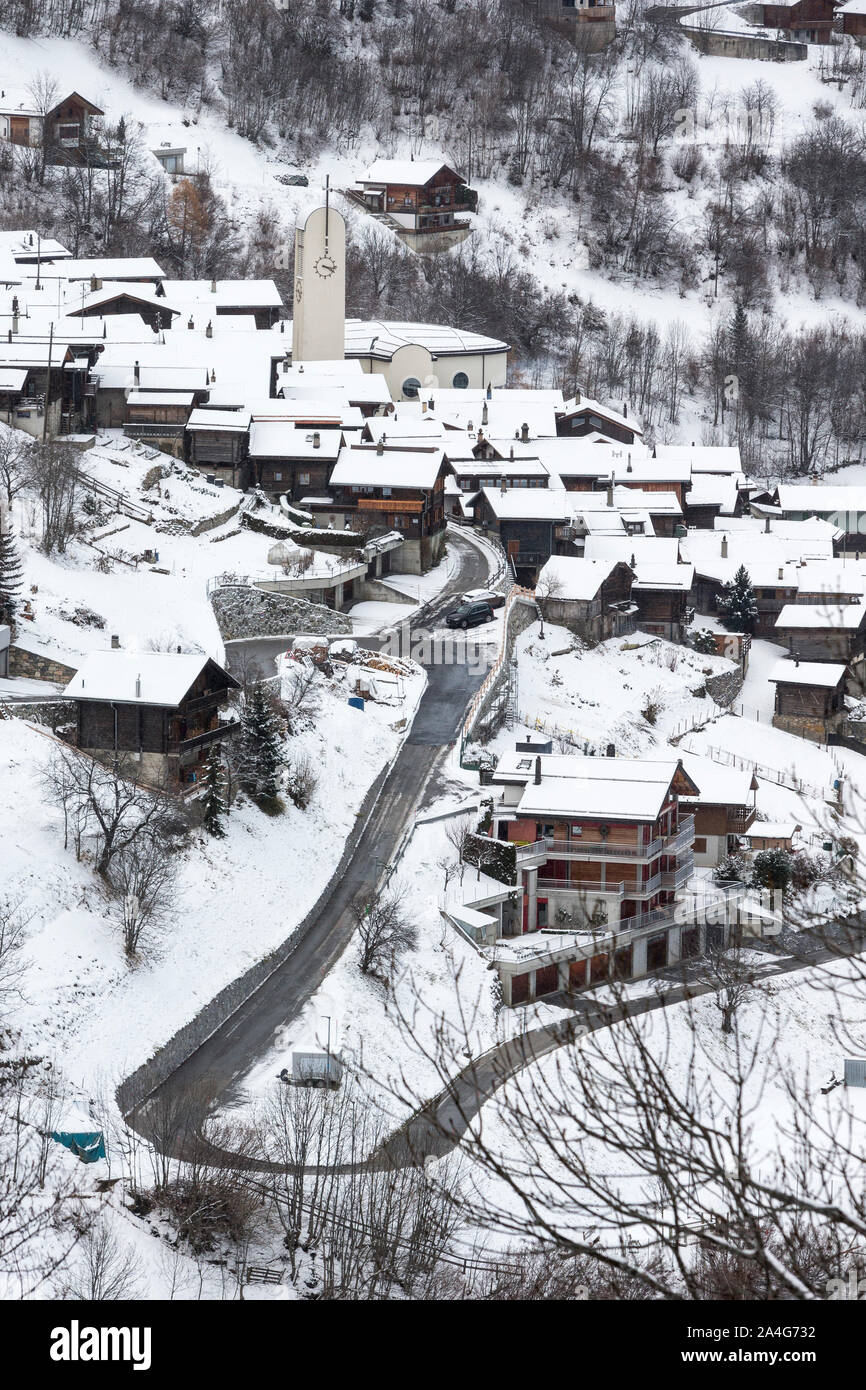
(156, 712)
(592, 597)
(852, 18)
(66, 132)
(808, 21)
(217, 442)
(723, 808)
(417, 196)
(582, 416)
(290, 460)
(810, 698)
(823, 632)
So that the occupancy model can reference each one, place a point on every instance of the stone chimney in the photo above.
(317, 439)
(524, 433)
(191, 322)
(380, 447)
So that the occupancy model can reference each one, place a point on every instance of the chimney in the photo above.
(138, 687)
(611, 750)
(781, 572)
(14, 321)
(212, 375)
(503, 486)
(136, 374)
(537, 777)
(511, 453)
(380, 447)
(625, 410)
(208, 333)
(423, 407)
(317, 439)
(524, 433)
(724, 547)
(767, 525)
(115, 642)
(431, 403)
(484, 414)
(191, 322)
(490, 391)
(94, 284)
(628, 467)
(213, 288)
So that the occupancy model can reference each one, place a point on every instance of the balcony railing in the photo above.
(679, 877)
(189, 745)
(611, 849)
(591, 887)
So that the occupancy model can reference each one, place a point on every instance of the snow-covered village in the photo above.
(433, 663)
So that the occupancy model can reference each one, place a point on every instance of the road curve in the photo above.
(247, 1036)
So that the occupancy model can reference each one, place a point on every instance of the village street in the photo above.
(248, 1035)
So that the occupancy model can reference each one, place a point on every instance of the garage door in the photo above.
(546, 980)
(519, 989)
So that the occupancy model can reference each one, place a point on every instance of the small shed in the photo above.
(810, 697)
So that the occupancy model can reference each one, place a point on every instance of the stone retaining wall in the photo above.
(38, 668)
(242, 611)
(725, 687)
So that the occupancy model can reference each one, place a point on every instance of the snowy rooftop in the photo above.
(572, 577)
(538, 503)
(586, 405)
(812, 498)
(719, 785)
(703, 458)
(219, 420)
(382, 338)
(26, 244)
(145, 678)
(109, 268)
(663, 576)
(228, 294)
(844, 616)
(412, 172)
(395, 468)
(646, 550)
(825, 674)
(573, 784)
(283, 440)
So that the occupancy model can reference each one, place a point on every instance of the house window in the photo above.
(700, 846)
(278, 477)
(577, 830)
(411, 387)
(460, 380)
(303, 480)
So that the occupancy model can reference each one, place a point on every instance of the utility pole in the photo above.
(48, 382)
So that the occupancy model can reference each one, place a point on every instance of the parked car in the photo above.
(484, 596)
(469, 615)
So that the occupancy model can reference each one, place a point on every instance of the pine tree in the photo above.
(737, 604)
(215, 804)
(261, 753)
(11, 577)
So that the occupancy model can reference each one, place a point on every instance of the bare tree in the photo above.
(730, 979)
(54, 476)
(384, 929)
(143, 876)
(104, 1270)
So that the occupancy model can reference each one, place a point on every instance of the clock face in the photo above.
(325, 266)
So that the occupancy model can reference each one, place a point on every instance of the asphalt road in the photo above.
(230, 1053)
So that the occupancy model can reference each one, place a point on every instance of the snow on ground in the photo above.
(596, 696)
(795, 1022)
(237, 898)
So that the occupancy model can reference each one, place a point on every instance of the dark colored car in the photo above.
(469, 615)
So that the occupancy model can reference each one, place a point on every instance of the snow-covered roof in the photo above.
(653, 576)
(586, 405)
(381, 338)
(772, 830)
(28, 244)
(141, 291)
(394, 468)
(847, 617)
(534, 503)
(826, 674)
(227, 294)
(281, 439)
(831, 577)
(12, 378)
(577, 785)
(703, 458)
(160, 398)
(646, 550)
(144, 678)
(820, 499)
(719, 785)
(412, 172)
(852, 7)
(573, 577)
(202, 419)
(109, 268)
(714, 490)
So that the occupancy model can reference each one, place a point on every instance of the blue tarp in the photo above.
(87, 1147)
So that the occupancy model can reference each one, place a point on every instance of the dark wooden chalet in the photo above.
(583, 416)
(823, 632)
(853, 19)
(419, 196)
(157, 712)
(217, 442)
(809, 21)
(291, 461)
(810, 698)
(592, 597)
(66, 132)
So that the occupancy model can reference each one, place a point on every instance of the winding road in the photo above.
(248, 1035)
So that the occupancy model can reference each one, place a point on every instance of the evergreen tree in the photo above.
(737, 604)
(261, 752)
(11, 577)
(215, 804)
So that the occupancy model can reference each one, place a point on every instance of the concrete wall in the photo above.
(719, 45)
